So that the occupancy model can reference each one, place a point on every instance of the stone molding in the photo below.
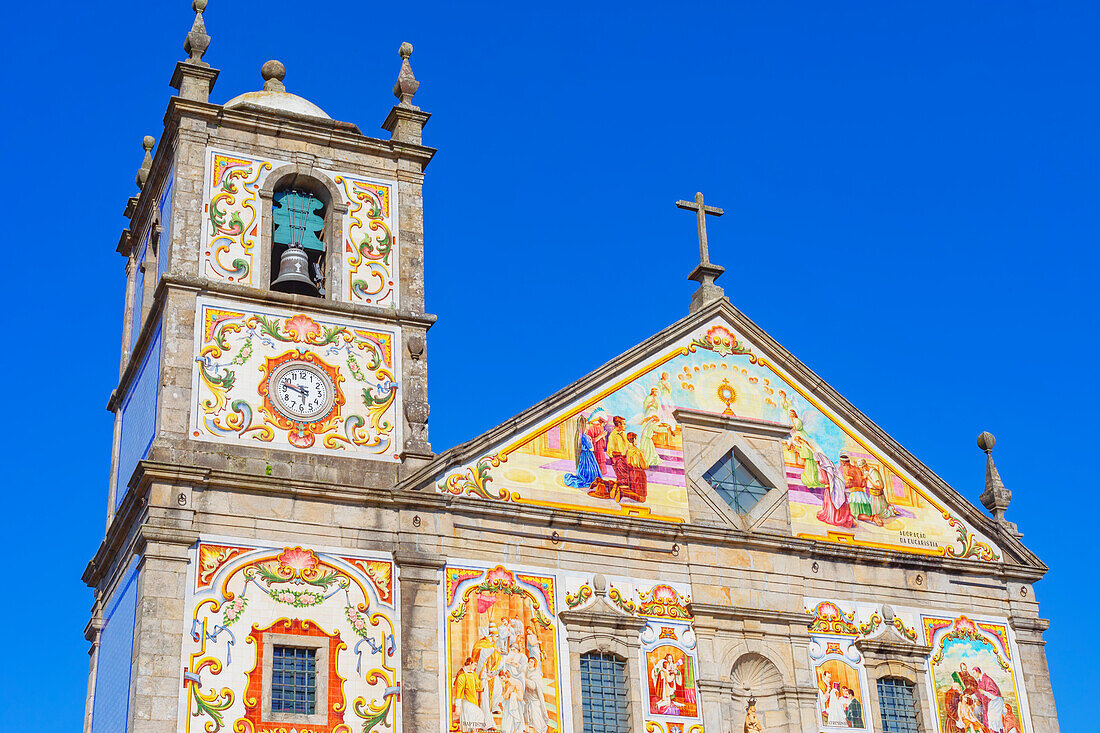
(330, 133)
(721, 443)
(715, 616)
(747, 426)
(197, 284)
(893, 650)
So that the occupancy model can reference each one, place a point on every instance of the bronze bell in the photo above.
(294, 273)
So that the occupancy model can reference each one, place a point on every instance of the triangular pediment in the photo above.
(845, 480)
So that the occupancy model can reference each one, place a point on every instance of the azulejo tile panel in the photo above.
(245, 597)
(285, 378)
(235, 218)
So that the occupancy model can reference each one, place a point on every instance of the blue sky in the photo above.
(911, 208)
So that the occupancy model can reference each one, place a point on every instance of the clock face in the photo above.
(301, 391)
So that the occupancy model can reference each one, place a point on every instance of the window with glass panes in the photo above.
(897, 700)
(735, 483)
(603, 694)
(293, 680)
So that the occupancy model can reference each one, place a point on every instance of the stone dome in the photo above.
(278, 102)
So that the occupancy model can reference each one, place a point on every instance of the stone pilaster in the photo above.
(1033, 662)
(158, 631)
(91, 633)
(420, 579)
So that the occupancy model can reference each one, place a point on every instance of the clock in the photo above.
(301, 391)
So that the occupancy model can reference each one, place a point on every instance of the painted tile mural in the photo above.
(668, 661)
(838, 669)
(283, 378)
(972, 672)
(247, 602)
(973, 676)
(502, 650)
(235, 217)
(619, 450)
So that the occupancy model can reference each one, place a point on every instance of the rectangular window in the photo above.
(604, 694)
(898, 701)
(293, 680)
(139, 418)
(111, 704)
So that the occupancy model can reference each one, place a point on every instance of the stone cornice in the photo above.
(1030, 623)
(512, 518)
(329, 133)
(880, 649)
(714, 616)
(408, 559)
(700, 418)
(601, 615)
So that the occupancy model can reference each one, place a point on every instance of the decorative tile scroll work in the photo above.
(245, 598)
(501, 650)
(370, 241)
(232, 221)
(972, 675)
(619, 450)
(284, 378)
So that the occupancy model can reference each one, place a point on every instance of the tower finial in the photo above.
(273, 73)
(407, 84)
(193, 77)
(996, 496)
(197, 40)
(147, 162)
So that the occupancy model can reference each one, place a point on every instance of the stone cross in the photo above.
(701, 210)
(704, 273)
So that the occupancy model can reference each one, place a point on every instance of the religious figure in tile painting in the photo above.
(588, 468)
(671, 682)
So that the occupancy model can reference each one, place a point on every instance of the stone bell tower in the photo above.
(273, 343)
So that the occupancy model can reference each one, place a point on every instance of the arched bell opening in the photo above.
(300, 208)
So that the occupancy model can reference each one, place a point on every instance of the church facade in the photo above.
(699, 536)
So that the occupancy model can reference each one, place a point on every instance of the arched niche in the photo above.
(302, 178)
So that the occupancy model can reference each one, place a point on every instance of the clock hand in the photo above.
(296, 388)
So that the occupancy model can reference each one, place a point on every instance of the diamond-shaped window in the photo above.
(735, 483)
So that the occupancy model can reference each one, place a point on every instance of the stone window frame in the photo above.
(320, 646)
(730, 440)
(295, 175)
(900, 659)
(603, 628)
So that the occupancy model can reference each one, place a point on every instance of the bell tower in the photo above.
(273, 341)
(275, 292)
